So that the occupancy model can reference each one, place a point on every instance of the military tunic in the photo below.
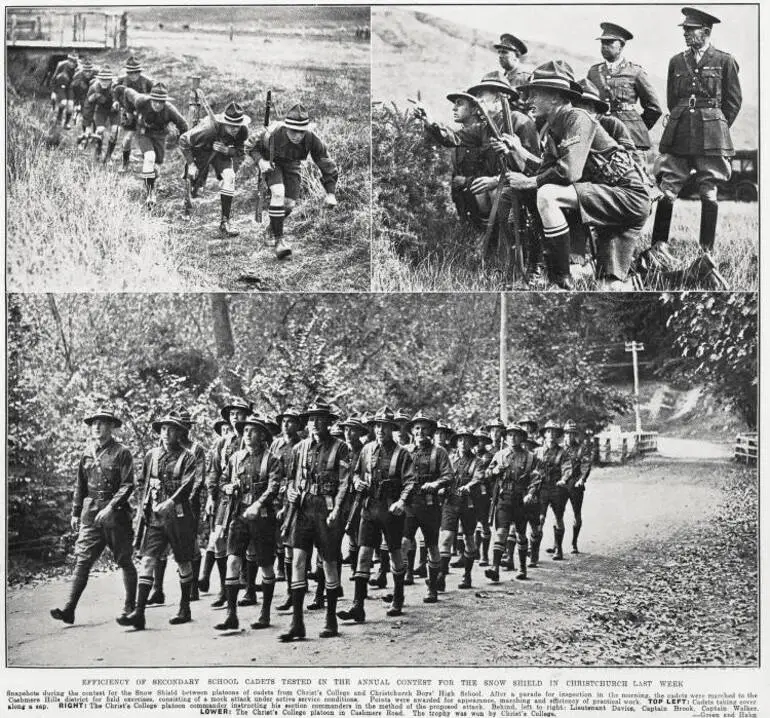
(105, 477)
(152, 125)
(98, 106)
(554, 467)
(141, 85)
(622, 87)
(460, 508)
(197, 146)
(430, 464)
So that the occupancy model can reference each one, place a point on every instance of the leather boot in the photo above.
(422, 567)
(231, 622)
(286, 605)
(534, 553)
(662, 225)
(432, 597)
(267, 599)
(396, 608)
(129, 583)
(409, 577)
(250, 597)
(297, 628)
(330, 629)
(466, 582)
(157, 597)
(575, 534)
(318, 602)
(709, 211)
(136, 617)
(356, 611)
(493, 574)
(381, 579)
(460, 563)
(508, 563)
(208, 565)
(441, 580)
(79, 581)
(196, 566)
(225, 231)
(558, 535)
(183, 614)
(222, 570)
(522, 574)
(485, 540)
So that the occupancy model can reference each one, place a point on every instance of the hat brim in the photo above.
(225, 410)
(328, 414)
(601, 106)
(454, 96)
(570, 90)
(557, 429)
(241, 425)
(117, 423)
(495, 87)
(520, 429)
(613, 37)
(291, 415)
(244, 121)
(468, 434)
(160, 99)
(430, 422)
(157, 425)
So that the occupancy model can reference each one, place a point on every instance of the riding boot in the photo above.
(708, 224)
(493, 574)
(460, 563)
(129, 583)
(268, 588)
(157, 596)
(231, 621)
(222, 570)
(356, 611)
(183, 615)
(79, 581)
(126, 164)
(558, 535)
(330, 628)
(662, 224)
(318, 601)
(297, 628)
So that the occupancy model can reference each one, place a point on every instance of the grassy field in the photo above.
(72, 224)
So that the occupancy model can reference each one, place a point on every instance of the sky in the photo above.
(655, 27)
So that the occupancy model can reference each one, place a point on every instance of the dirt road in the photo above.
(626, 508)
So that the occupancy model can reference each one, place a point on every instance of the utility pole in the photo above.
(503, 357)
(635, 348)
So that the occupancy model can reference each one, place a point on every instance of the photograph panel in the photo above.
(658, 190)
(188, 148)
(429, 480)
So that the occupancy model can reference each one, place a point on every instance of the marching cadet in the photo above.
(100, 110)
(510, 50)
(199, 453)
(384, 485)
(496, 431)
(279, 151)
(154, 113)
(101, 515)
(217, 503)
(61, 91)
(138, 82)
(251, 480)
(444, 435)
(483, 534)
(473, 157)
(583, 169)
(316, 496)
(554, 466)
(580, 456)
(355, 431)
(217, 146)
(81, 81)
(515, 497)
(402, 436)
(290, 421)
(460, 505)
(623, 85)
(704, 98)
(169, 478)
(432, 472)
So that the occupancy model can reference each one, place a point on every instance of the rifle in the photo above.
(291, 515)
(231, 506)
(358, 504)
(258, 208)
(141, 528)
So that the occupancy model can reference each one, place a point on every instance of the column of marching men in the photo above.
(133, 110)
(406, 491)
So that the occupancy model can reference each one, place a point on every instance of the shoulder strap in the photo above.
(332, 458)
(263, 465)
(154, 463)
(178, 465)
(433, 464)
(394, 462)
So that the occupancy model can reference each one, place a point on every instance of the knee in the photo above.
(707, 193)
(185, 569)
(277, 193)
(233, 564)
(149, 160)
(547, 197)
(228, 180)
(268, 573)
(148, 565)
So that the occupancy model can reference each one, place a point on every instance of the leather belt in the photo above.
(692, 102)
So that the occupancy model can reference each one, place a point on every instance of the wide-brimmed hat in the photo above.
(353, 422)
(442, 425)
(402, 417)
(551, 424)
(482, 435)
(591, 94)
(529, 419)
(133, 65)
(236, 403)
(495, 82)
(611, 31)
(497, 422)
(320, 408)
(420, 416)
(465, 431)
(554, 75)
(185, 417)
(105, 414)
(570, 425)
(697, 18)
(169, 420)
(159, 93)
(516, 427)
(512, 43)
(533, 442)
(258, 420)
(337, 431)
(454, 96)
(233, 115)
(104, 74)
(384, 415)
(220, 424)
(72, 55)
(297, 118)
(367, 419)
(86, 64)
(291, 412)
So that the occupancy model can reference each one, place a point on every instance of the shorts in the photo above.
(117, 535)
(425, 514)
(310, 529)
(127, 120)
(517, 514)
(177, 532)
(555, 497)
(153, 143)
(62, 93)
(462, 514)
(576, 497)
(218, 163)
(255, 538)
(376, 522)
(105, 117)
(288, 175)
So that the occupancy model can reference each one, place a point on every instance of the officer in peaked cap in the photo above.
(623, 85)
(510, 50)
(704, 98)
